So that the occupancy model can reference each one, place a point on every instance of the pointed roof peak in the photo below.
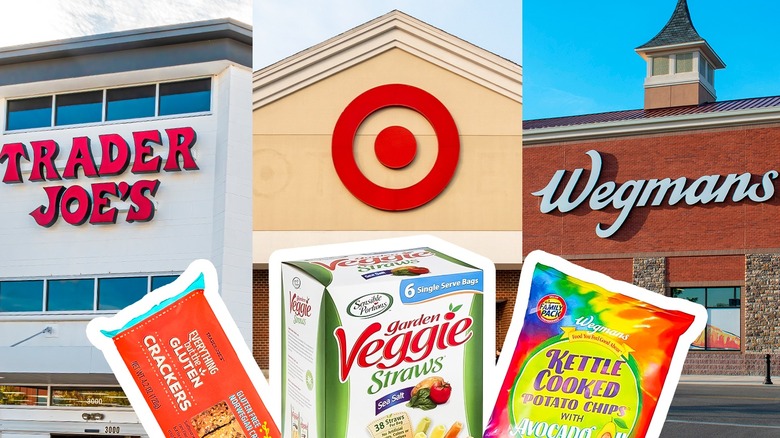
(678, 30)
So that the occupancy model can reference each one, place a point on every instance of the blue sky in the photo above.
(578, 58)
(285, 27)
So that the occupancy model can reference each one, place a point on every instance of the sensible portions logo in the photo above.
(77, 204)
(653, 192)
(370, 305)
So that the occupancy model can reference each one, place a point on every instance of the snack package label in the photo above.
(183, 364)
(577, 374)
(178, 356)
(589, 362)
(384, 345)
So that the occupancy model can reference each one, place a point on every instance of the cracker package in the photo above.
(587, 356)
(183, 363)
(382, 339)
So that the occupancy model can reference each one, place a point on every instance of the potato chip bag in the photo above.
(587, 356)
(183, 363)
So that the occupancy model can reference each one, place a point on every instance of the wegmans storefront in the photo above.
(680, 197)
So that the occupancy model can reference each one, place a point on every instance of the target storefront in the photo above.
(392, 128)
(123, 157)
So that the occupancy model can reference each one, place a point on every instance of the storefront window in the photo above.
(162, 280)
(70, 294)
(79, 108)
(24, 395)
(684, 62)
(88, 396)
(660, 65)
(118, 293)
(21, 296)
(112, 293)
(724, 321)
(706, 70)
(130, 102)
(29, 113)
(185, 97)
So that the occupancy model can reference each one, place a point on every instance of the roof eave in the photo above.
(130, 39)
(392, 30)
(651, 126)
(701, 45)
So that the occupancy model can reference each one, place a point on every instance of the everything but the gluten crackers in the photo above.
(587, 356)
(183, 363)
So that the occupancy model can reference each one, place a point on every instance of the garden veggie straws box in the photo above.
(383, 339)
(183, 363)
(587, 356)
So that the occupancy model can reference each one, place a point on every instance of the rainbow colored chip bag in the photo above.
(587, 356)
(183, 363)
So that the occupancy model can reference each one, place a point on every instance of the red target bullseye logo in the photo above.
(395, 147)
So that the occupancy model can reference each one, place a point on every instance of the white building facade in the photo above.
(123, 158)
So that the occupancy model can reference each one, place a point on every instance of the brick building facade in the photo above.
(678, 197)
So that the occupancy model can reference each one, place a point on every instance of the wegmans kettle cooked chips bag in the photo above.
(587, 356)
(183, 363)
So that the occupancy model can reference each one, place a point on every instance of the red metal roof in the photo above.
(617, 116)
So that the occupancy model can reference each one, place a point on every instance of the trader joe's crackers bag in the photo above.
(183, 364)
(589, 357)
(383, 339)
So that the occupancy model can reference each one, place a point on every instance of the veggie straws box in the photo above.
(183, 363)
(589, 357)
(382, 339)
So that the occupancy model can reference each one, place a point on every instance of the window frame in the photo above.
(8, 112)
(104, 105)
(668, 61)
(677, 60)
(736, 291)
(49, 396)
(174, 83)
(43, 309)
(155, 105)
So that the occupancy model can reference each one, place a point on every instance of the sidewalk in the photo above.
(692, 379)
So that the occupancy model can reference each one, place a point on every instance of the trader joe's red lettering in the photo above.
(77, 204)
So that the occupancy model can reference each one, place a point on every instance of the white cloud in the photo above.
(45, 20)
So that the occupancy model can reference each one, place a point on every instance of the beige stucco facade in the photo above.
(299, 198)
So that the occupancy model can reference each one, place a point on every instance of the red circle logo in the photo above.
(395, 147)
(551, 308)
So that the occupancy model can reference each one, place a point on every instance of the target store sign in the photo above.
(395, 147)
